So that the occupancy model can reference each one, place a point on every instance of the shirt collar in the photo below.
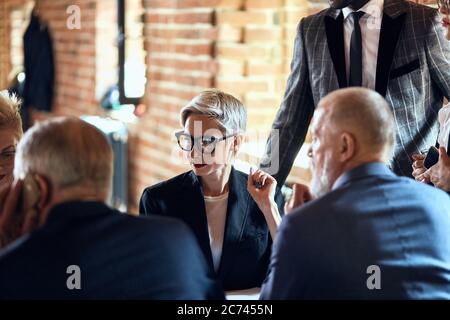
(363, 171)
(373, 8)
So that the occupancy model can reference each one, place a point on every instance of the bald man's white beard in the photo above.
(320, 186)
(321, 183)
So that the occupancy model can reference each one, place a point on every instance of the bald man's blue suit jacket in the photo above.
(324, 250)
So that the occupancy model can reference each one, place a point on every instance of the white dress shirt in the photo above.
(370, 25)
(216, 212)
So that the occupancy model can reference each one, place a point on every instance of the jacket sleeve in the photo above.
(279, 199)
(147, 204)
(438, 55)
(282, 271)
(292, 120)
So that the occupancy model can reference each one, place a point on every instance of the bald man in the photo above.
(368, 234)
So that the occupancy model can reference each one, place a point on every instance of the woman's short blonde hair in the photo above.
(226, 109)
(9, 111)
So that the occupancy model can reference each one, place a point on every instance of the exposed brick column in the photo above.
(74, 56)
(180, 38)
(6, 43)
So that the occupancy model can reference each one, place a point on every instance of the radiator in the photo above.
(117, 134)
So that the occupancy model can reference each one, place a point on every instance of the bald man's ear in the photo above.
(347, 146)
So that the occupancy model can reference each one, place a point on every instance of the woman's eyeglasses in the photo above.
(207, 144)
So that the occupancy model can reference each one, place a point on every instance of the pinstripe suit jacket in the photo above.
(413, 74)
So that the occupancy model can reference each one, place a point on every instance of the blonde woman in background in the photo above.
(10, 134)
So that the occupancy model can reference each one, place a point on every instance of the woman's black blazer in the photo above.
(247, 241)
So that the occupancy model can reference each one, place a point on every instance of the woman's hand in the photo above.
(445, 20)
(439, 174)
(262, 187)
(14, 224)
(419, 168)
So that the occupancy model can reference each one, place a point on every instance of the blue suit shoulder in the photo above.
(161, 243)
(425, 191)
(392, 186)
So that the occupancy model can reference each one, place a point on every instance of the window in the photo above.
(132, 68)
(19, 20)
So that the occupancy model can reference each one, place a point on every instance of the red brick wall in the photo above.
(75, 56)
(254, 52)
(8, 46)
(74, 50)
(179, 40)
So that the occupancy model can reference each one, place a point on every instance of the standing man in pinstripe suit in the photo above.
(395, 47)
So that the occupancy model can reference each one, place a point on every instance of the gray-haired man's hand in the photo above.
(12, 223)
(300, 196)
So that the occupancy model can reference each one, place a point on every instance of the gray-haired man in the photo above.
(80, 248)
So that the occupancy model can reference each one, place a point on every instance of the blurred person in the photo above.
(68, 227)
(363, 232)
(10, 134)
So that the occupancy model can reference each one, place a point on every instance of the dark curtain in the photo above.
(39, 66)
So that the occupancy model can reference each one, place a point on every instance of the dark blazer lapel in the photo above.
(194, 200)
(391, 26)
(334, 27)
(448, 145)
(237, 212)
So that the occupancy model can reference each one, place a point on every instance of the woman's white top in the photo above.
(444, 125)
(216, 213)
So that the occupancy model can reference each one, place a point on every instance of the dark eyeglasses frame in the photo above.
(195, 140)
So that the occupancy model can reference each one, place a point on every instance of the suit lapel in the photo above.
(448, 145)
(334, 27)
(197, 220)
(391, 26)
(237, 211)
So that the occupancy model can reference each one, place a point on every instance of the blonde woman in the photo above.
(234, 221)
(10, 134)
